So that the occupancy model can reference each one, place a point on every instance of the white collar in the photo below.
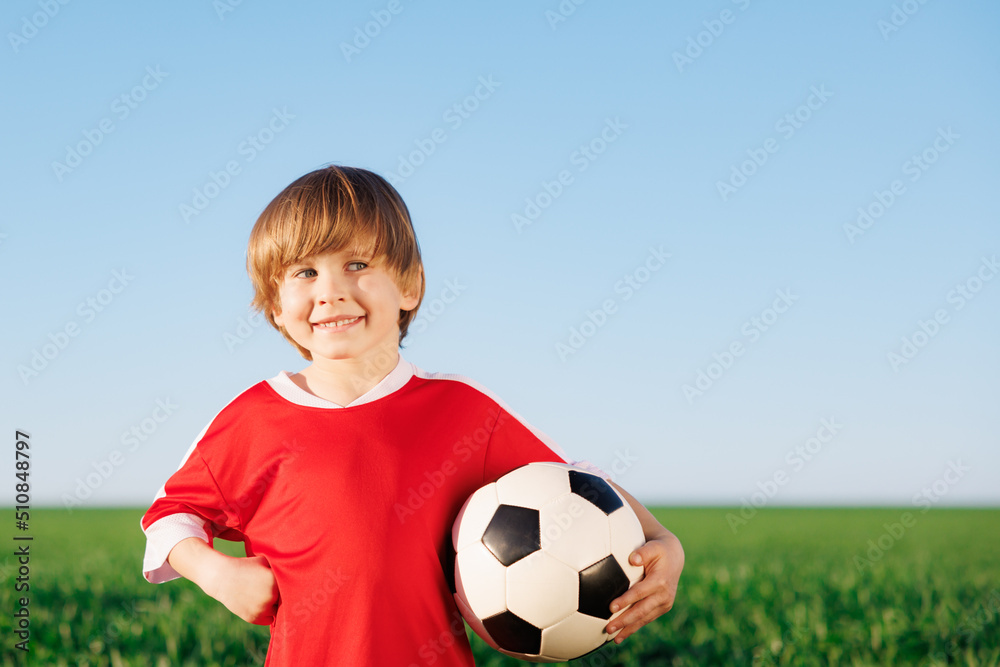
(288, 390)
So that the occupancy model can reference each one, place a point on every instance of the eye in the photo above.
(305, 273)
(362, 265)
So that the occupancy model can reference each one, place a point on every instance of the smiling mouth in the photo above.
(339, 324)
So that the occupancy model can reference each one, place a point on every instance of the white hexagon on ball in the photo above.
(532, 486)
(487, 593)
(563, 639)
(542, 590)
(574, 531)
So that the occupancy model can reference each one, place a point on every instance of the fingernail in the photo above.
(614, 608)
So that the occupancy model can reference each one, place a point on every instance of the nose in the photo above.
(331, 289)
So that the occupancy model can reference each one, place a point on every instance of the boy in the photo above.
(315, 470)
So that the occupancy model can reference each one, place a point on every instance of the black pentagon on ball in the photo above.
(601, 583)
(513, 533)
(594, 489)
(513, 633)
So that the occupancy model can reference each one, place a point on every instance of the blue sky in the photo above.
(683, 185)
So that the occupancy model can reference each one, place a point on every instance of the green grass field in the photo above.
(790, 587)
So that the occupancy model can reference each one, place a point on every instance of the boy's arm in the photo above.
(162, 535)
(246, 586)
(662, 558)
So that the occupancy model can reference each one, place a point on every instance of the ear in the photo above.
(276, 314)
(408, 302)
(410, 299)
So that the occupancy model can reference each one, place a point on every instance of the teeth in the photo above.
(340, 323)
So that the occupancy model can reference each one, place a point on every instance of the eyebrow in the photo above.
(365, 253)
(300, 264)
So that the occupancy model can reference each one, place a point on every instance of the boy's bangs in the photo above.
(310, 233)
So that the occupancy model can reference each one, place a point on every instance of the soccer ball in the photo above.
(539, 556)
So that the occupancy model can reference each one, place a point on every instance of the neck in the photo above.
(342, 381)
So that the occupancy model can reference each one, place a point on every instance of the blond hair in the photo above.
(327, 210)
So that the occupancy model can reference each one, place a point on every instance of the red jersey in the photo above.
(352, 507)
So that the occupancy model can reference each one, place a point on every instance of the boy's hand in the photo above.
(246, 586)
(662, 559)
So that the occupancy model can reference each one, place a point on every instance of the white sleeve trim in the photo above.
(164, 533)
(590, 467)
(162, 536)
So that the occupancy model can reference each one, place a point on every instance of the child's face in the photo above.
(340, 305)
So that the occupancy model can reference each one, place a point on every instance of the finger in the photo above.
(627, 616)
(645, 554)
(636, 617)
(656, 577)
(642, 589)
(642, 603)
(622, 632)
(643, 557)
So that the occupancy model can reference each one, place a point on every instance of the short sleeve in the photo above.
(190, 504)
(513, 443)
